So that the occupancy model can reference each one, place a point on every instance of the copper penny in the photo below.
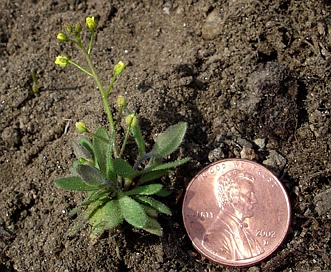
(236, 212)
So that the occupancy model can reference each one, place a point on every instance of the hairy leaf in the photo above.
(77, 226)
(85, 143)
(152, 175)
(153, 226)
(75, 183)
(108, 216)
(113, 216)
(81, 152)
(169, 140)
(149, 210)
(170, 164)
(72, 169)
(132, 212)
(137, 135)
(154, 203)
(123, 168)
(93, 207)
(110, 171)
(156, 166)
(150, 189)
(90, 175)
(74, 211)
(101, 144)
(164, 193)
(94, 196)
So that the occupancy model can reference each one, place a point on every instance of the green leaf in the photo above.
(93, 207)
(123, 168)
(132, 212)
(164, 166)
(81, 152)
(94, 196)
(164, 193)
(96, 231)
(170, 164)
(154, 203)
(108, 216)
(112, 216)
(110, 171)
(101, 144)
(153, 227)
(149, 210)
(72, 169)
(77, 226)
(85, 143)
(90, 175)
(137, 135)
(74, 211)
(150, 189)
(152, 175)
(169, 140)
(75, 183)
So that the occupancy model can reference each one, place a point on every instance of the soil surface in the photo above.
(251, 78)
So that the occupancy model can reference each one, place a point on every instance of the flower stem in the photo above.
(105, 101)
(80, 68)
(111, 84)
(90, 43)
(104, 94)
(124, 141)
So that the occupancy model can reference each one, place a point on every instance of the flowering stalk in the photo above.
(63, 61)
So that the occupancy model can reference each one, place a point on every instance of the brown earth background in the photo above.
(251, 78)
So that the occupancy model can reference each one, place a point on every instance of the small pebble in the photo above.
(216, 154)
(248, 153)
(323, 202)
(260, 143)
(275, 161)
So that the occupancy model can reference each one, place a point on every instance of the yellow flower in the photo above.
(121, 101)
(81, 127)
(119, 68)
(62, 61)
(91, 24)
(62, 37)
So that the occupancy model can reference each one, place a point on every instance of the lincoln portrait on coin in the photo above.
(228, 236)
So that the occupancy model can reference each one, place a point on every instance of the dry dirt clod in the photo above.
(11, 136)
(213, 25)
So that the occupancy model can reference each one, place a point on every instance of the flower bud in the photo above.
(119, 68)
(69, 28)
(121, 101)
(78, 28)
(81, 127)
(62, 61)
(131, 120)
(91, 24)
(62, 37)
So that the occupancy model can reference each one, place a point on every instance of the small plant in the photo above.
(117, 191)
